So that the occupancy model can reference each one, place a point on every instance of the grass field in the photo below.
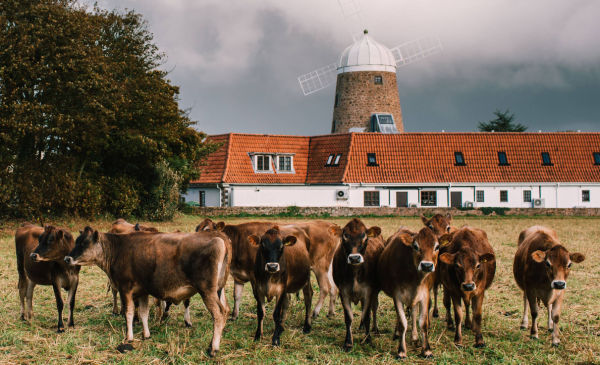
(98, 332)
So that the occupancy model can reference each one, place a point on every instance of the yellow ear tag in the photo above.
(445, 242)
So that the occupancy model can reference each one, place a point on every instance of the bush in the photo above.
(163, 199)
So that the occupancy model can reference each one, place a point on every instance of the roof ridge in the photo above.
(350, 145)
(227, 153)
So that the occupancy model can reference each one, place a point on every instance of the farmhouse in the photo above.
(369, 160)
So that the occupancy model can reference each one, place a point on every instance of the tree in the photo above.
(504, 122)
(88, 122)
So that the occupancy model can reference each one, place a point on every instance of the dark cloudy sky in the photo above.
(236, 61)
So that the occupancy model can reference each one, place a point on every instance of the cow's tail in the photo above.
(20, 261)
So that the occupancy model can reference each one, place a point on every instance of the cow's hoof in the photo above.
(523, 327)
(275, 342)
(435, 314)
(124, 347)
(479, 345)
(60, 330)
(550, 330)
(555, 344)
(534, 337)
(306, 329)
(427, 354)
(22, 317)
(450, 328)
(401, 356)
(211, 353)
(187, 324)
(330, 315)
(347, 347)
(458, 344)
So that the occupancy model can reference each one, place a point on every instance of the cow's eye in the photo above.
(569, 265)
(436, 247)
(415, 246)
(363, 235)
(448, 229)
(478, 265)
(430, 226)
(548, 263)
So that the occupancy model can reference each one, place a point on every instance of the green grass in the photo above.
(97, 332)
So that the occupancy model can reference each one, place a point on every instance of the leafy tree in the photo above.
(504, 122)
(88, 122)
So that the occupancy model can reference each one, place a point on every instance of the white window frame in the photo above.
(255, 163)
(337, 159)
(291, 170)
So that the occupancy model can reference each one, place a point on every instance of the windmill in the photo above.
(366, 59)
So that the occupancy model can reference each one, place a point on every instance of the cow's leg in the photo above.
(550, 324)
(29, 300)
(345, 299)
(187, 318)
(223, 299)
(477, 304)
(435, 300)
(238, 292)
(424, 325)
(361, 325)
(115, 308)
(286, 305)
(333, 292)
(59, 306)
(260, 315)
(71, 299)
(218, 312)
(144, 312)
(525, 321)
(128, 305)
(402, 324)
(415, 333)
(323, 281)
(468, 307)
(160, 310)
(458, 319)
(165, 312)
(278, 318)
(374, 307)
(308, 294)
(448, 306)
(22, 294)
(555, 318)
(534, 314)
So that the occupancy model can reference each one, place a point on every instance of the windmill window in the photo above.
(378, 80)
(459, 159)
(480, 196)
(546, 159)
(596, 158)
(502, 159)
(329, 160)
(371, 159)
(337, 100)
(337, 159)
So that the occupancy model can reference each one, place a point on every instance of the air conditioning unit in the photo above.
(538, 203)
(342, 194)
(412, 205)
(468, 205)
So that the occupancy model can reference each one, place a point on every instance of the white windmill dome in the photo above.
(366, 54)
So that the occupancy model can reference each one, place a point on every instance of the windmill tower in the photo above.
(366, 95)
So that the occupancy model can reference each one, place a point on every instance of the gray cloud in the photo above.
(237, 60)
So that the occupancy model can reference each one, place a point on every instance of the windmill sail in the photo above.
(318, 79)
(352, 14)
(412, 51)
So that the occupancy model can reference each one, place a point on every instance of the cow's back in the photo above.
(297, 259)
(322, 242)
(530, 240)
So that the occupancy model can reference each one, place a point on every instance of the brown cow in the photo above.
(122, 226)
(169, 266)
(405, 273)
(40, 254)
(354, 273)
(282, 266)
(322, 245)
(467, 268)
(541, 268)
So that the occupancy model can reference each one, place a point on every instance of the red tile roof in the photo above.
(410, 158)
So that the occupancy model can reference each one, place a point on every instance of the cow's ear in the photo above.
(407, 239)
(59, 235)
(137, 227)
(538, 256)
(253, 239)
(96, 236)
(449, 217)
(487, 257)
(424, 219)
(447, 258)
(335, 230)
(220, 226)
(289, 241)
(373, 231)
(577, 257)
(446, 239)
(198, 228)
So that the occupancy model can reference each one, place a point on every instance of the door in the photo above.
(456, 199)
(402, 199)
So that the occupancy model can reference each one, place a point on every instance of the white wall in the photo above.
(211, 196)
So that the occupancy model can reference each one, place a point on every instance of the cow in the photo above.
(169, 266)
(40, 253)
(321, 247)
(541, 267)
(440, 225)
(281, 267)
(405, 273)
(354, 273)
(122, 226)
(466, 269)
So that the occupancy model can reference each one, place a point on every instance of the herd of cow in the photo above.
(354, 261)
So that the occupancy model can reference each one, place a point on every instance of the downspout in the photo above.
(220, 197)
(556, 195)
(448, 195)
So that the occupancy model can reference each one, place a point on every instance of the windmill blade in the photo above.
(352, 15)
(416, 50)
(318, 79)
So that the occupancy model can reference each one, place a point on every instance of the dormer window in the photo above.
(329, 160)
(459, 159)
(378, 80)
(546, 159)
(262, 163)
(502, 159)
(371, 159)
(596, 158)
(285, 164)
(337, 159)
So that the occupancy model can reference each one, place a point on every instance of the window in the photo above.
(527, 196)
(371, 198)
(202, 198)
(337, 100)
(329, 160)
(378, 80)
(504, 196)
(429, 198)
(337, 159)
(459, 159)
(502, 159)
(371, 159)
(480, 196)
(546, 159)
(285, 164)
(596, 158)
(585, 195)
(263, 163)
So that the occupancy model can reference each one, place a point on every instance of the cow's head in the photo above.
(557, 262)
(355, 238)
(425, 248)
(87, 250)
(209, 225)
(271, 246)
(53, 244)
(467, 265)
(139, 228)
(439, 224)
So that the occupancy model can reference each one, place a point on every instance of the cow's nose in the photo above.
(69, 260)
(355, 259)
(34, 256)
(272, 267)
(468, 286)
(559, 284)
(427, 266)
